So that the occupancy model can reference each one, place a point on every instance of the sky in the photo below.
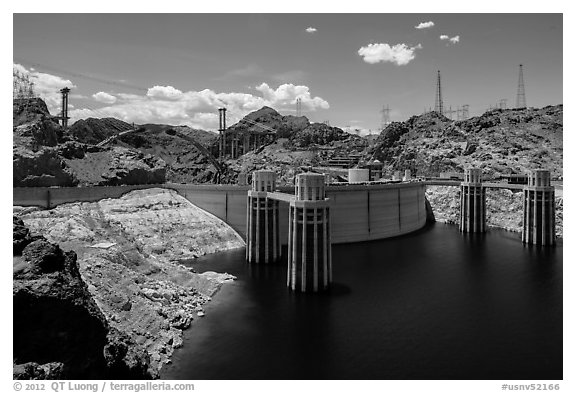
(179, 68)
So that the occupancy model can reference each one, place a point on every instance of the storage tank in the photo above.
(358, 175)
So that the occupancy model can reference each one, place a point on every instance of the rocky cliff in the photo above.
(59, 331)
(504, 208)
(93, 131)
(298, 130)
(184, 162)
(130, 252)
(295, 143)
(283, 126)
(44, 155)
(499, 142)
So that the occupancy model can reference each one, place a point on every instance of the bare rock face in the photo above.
(26, 110)
(31, 370)
(74, 164)
(20, 235)
(40, 169)
(504, 208)
(130, 252)
(499, 142)
(319, 134)
(43, 155)
(284, 126)
(59, 331)
(184, 162)
(93, 131)
(42, 257)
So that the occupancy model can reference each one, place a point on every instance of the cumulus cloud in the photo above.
(104, 97)
(360, 131)
(164, 92)
(452, 40)
(47, 86)
(168, 105)
(285, 96)
(424, 25)
(399, 54)
(311, 29)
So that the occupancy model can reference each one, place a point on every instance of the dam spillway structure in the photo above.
(539, 225)
(309, 244)
(262, 231)
(472, 202)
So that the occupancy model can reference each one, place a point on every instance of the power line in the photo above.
(80, 75)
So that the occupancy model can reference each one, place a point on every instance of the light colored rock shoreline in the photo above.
(128, 254)
(503, 208)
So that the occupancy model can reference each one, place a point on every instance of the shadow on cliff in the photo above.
(59, 331)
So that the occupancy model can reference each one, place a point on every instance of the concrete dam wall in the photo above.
(358, 212)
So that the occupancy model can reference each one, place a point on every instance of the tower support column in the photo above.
(65, 116)
(309, 245)
(539, 223)
(472, 202)
(262, 226)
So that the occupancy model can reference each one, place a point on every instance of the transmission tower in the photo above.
(449, 113)
(222, 133)
(439, 105)
(298, 106)
(22, 87)
(503, 103)
(65, 116)
(521, 95)
(465, 111)
(385, 117)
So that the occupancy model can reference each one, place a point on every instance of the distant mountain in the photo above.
(499, 141)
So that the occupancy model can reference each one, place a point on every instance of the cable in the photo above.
(114, 83)
(79, 75)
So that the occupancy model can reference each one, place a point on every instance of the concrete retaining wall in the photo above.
(49, 197)
(358, 212)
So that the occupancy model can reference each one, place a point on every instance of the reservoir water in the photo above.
(435, 304)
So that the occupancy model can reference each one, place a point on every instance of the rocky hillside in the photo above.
(93, 131)
(44, 155)
(59, 331)
(504, 208)
(299, 132)
(499, 141)
(184, 162)
(130, 252)
(284, 126)
(295, 143)
(27, 110)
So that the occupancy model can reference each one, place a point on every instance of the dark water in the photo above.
(431, 305)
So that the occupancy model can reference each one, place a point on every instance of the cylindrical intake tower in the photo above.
(262, 230)
(472, 202)
(309, 246)
(539, 224)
